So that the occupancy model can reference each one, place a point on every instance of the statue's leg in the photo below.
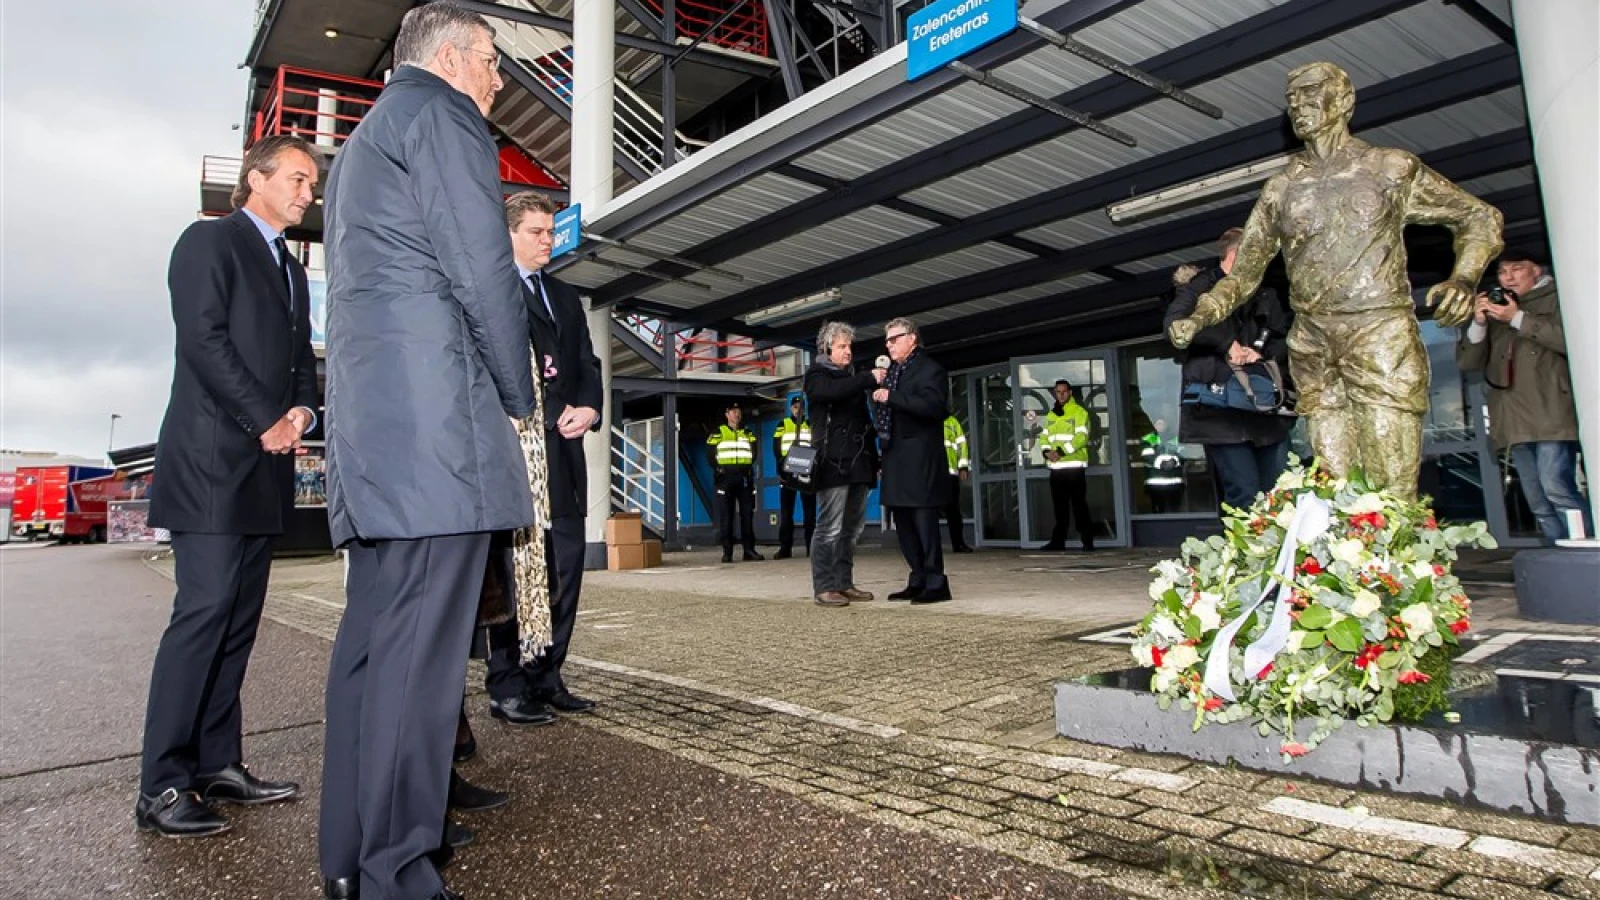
(1392, 441)
(1314, 365)
(1332, 432)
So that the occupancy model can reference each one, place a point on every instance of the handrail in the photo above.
(280, 104)
(745, 30)
(649, 328)
(641, 474)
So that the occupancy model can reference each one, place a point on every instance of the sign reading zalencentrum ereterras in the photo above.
(950, 29)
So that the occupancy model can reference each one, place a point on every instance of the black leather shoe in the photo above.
(468, 797)
(177, 814)
(235, 784)
(348, 888)
(457, 836)
(521, 711)
(939, 596)
(568, 702)
(784, 553)
(464, 752)
(905, 594)
(753, 556)
(727, 556)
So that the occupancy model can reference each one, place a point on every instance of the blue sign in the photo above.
(569, 230)
(949, 30)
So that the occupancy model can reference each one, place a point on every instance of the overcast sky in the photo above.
(106, 108)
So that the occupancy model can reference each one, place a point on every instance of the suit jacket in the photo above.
(566, 341)
(244, 359)
(915, 470)
(428, 357)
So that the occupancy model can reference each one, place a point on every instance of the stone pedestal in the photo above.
(1561, 584)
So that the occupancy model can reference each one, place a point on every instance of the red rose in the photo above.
(1264, 672)
(1438, 570)
(1156, 653)
(1460, 626)
(1213, 704)
(1311, 566)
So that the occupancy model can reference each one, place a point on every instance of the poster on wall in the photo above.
(126, 523)
(319, 313)
(311, 476)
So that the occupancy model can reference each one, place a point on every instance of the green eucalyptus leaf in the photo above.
(1346, 635)
(1315, 616)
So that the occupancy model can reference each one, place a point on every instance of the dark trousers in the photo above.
(1244, 470)
(507, 677)
(1069, 497)
(952, 514)
(918, 530)
(736, 489)
(808, 512)
(192, 723)
(394, 697)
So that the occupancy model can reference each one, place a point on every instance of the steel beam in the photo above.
(638, 345)
(632, 41)
(1260, 37)
(694, 387)
(1400, 98)
(1491, 22)
(645, 17)
(1066, 17)
(784, 46)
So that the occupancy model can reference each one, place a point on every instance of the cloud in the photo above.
(100, 159)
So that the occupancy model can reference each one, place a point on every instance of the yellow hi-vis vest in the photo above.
(955, 446)
(789, 432)
(1067, 434)
(734, 448)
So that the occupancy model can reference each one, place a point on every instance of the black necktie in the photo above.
(537, 284)
(283, 268)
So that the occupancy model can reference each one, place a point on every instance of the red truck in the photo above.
(66, 502)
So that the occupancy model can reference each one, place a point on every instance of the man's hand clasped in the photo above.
(284, 435)
(575, 420)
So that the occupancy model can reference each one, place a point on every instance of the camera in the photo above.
(1500, 296)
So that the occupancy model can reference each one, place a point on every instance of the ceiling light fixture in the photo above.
(795, 309)
(1201, 190)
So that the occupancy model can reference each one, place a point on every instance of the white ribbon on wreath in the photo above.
(1312, 518)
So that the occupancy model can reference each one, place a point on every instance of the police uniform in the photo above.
(734, 456)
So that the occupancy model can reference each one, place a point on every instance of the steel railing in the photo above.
(695, 349)
(638, 479)
(319, 107)
(745, 30)
(547, 56)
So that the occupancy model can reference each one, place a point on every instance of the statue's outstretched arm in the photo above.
(1256, 249)
(1477, 228)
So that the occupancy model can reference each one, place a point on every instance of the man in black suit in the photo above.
(574, 396)
(243, 389)
(911, 408)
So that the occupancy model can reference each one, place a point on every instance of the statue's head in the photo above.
(1321, 99)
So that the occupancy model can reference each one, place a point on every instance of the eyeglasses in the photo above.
(891, 338)
(493, 59)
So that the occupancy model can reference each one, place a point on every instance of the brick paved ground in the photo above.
(940, 723)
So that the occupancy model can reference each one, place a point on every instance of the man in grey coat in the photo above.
(427, 362)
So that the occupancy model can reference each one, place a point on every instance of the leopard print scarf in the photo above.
(532, 579)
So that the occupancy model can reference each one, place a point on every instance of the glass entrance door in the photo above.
(1093, 376)
(996, 515)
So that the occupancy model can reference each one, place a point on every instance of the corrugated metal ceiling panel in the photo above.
(728, 211)
(933, 272)
(825, 243)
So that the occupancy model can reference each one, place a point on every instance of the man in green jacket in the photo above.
(1065, 444)
(1517, 341)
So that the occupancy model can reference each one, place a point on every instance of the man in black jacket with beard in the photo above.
(1246, 451)
(911, 408)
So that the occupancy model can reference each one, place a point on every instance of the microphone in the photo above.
(882, 362)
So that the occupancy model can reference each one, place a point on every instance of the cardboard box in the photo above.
(652, 554)
(625, 556)
(624, 529)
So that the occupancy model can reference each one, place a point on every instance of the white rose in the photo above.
(1423, 571)
(1418, 620)
(1365, 604)
(1162, 679)
(1166, 629)
(1143, 656)
(1366, 503)
(1284, 517)
(1349, 551)
(1180, 657)
(1206, 611)
(1159, 588)
(1291, 480)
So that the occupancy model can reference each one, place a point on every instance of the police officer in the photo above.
(1065, 443)
(795, 428)
(734, 455)
(955, 451)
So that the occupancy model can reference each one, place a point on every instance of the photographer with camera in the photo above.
(1247, 450)
(1517, 341)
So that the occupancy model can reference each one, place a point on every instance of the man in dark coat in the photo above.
(243, 388)
(428, 361)
(911, 409)
(573, 399)
(1246, 451)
